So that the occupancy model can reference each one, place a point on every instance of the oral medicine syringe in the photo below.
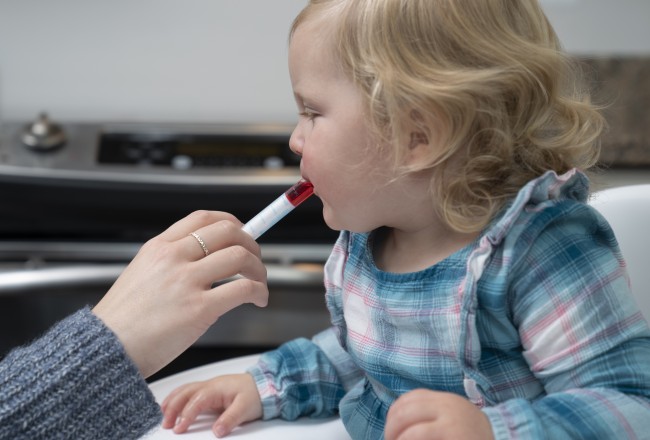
(279, 208)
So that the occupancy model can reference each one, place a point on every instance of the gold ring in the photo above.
(201, 242)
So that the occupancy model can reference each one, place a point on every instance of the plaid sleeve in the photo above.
(297, 380)
(582, 335)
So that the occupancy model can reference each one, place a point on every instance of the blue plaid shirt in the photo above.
(533, 322)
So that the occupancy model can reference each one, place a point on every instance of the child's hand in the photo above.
(425, 414)
(235, 396)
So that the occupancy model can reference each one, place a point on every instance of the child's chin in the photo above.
(331, 221)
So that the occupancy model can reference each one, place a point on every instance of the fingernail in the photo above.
(179, 422)
(219, 431)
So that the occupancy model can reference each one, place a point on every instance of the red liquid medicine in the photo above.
(299, 192)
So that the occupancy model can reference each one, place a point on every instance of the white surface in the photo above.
(627, 209)
(302, 429)
(613, 178)
(204, 60)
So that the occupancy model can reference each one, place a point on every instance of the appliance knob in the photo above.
(43, 134)
(182, 162)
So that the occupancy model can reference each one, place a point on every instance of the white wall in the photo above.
(161, 60)
(602, 27)
(204, 60)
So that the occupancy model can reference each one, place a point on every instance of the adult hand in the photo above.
(164, 300)
(434, 415)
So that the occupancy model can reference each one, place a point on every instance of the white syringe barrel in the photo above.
(269, 216)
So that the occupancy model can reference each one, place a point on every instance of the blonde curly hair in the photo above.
(485, 81)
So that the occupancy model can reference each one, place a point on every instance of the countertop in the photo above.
(621, 85)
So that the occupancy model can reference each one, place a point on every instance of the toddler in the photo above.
(473, 292)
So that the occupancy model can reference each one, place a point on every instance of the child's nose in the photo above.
(296, 141)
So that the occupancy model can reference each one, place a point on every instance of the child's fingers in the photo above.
(170, 415)
(235, 396)
(174, 404)
(199, 402)
(232, 417)
(171, 396)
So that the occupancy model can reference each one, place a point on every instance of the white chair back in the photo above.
(627, 209)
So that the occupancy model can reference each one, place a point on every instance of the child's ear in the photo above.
(419, 148)
(419, 141)
(418, 138)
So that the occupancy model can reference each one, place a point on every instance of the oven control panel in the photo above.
(187, 150)
(148, 153)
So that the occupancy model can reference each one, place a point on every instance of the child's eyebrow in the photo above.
(301, 99)
(299, 94)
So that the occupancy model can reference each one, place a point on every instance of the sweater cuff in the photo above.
(76, 380)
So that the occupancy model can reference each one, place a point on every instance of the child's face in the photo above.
(339, 156)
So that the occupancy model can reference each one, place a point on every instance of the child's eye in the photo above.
(308, 114)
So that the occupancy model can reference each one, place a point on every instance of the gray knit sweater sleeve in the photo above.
(76, 382)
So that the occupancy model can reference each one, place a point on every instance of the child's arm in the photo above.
(295, 380)
(581, 335)
(304, 378)
(601, 399)
(234, 396)
(309, 377)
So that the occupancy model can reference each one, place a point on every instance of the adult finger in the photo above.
(233, 294)
(249, 275)
(227, 263)
(214, 237)
(196, 220)
(226, 233)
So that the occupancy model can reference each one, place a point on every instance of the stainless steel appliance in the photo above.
(77, 201)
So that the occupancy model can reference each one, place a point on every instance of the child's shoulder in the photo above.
(553, 208)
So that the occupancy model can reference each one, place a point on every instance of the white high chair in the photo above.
(627, 209)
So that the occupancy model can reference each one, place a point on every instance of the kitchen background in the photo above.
(225, 61)
(216, 62)
(207, 60)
